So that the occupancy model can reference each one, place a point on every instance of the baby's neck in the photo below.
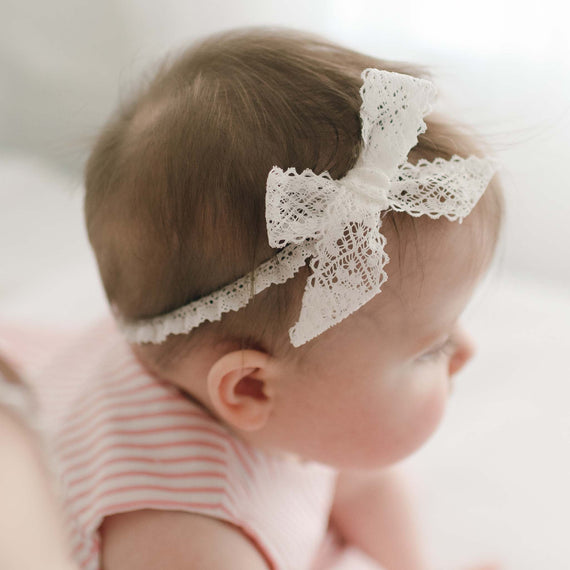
(188, 374)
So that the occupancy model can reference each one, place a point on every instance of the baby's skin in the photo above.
(31, 528)
(369, 392)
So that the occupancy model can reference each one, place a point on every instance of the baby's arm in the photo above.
(153, 540)
(372, 512)
(31, 529)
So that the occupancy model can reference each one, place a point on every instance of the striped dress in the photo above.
(124, 440)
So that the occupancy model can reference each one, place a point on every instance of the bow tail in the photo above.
(347, 272)
(449, 188)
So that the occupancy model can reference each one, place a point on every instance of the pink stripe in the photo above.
(148, 460)
(157, 474)
(64, 442)
(165, 429)
(92, 400)
(79, 546)
(92, 554)
(108, 401)
(104, 390)
(124, 370)
(241, 458)
(130, 488)
(163, 445)
(111, 373)
(251, 453)
(84, 421)
(117, 370)
(118, 374)
(162, 505)
(169, 505)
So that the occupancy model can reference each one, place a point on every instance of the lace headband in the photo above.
(336, 223)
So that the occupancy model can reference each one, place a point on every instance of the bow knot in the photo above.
(370, 183)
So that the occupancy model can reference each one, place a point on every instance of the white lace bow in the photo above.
(336, 223)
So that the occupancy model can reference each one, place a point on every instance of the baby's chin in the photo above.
(374, 460)
(366, 458)
(383, 451)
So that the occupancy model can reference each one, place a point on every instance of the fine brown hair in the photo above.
(175, 184)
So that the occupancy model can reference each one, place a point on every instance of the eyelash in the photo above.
(447, 348)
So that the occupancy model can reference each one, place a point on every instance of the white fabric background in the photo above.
(493, 480)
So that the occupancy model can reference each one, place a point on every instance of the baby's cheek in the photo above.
(431, 410)
(424, 414)
(409, 421)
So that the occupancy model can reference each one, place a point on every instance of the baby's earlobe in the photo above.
(240, 389)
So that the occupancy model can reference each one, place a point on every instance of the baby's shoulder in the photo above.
(159, 539)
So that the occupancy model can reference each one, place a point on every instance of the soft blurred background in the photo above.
(493, 482)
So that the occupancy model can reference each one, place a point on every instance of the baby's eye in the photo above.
(446, 348)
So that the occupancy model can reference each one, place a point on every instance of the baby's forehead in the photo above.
(422, 248)
(430, 276)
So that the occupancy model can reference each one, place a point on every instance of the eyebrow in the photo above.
(428, 341)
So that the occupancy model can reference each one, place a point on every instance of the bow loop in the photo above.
(392, 112)
(297, 205)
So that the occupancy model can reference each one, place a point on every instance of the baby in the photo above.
(287, 248)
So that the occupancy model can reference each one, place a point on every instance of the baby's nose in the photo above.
(464, 351)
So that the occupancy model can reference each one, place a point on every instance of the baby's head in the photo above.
(175, 207)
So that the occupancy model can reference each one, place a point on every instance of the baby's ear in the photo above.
(241, 387)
